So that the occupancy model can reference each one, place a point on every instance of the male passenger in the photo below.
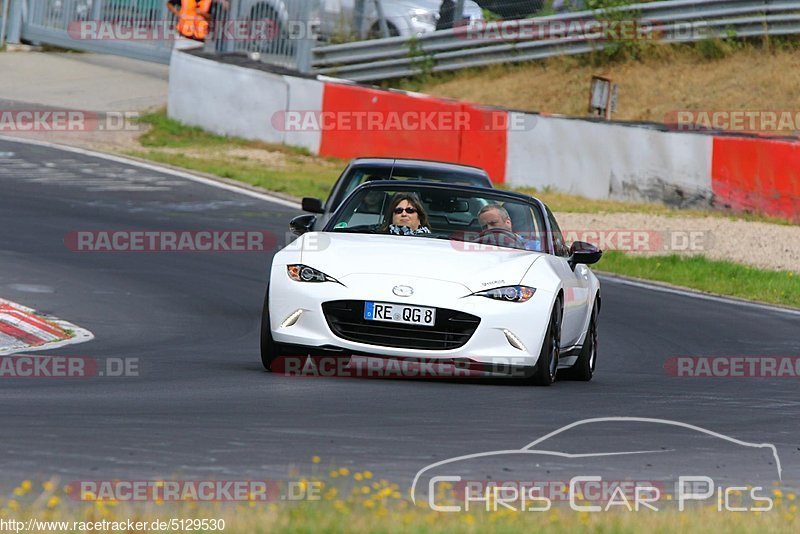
(496, 216)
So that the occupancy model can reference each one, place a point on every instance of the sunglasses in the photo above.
(410, 211)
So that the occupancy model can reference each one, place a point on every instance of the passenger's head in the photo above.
(372, 202)
(494, 216)
(406, 210)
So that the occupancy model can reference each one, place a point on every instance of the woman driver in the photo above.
(408, 216)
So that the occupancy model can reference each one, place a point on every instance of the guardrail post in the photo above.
(381, 18)
(358, 18)
(305, 45)
(14, 21)
(97, 8)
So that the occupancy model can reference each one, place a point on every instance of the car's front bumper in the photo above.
(488, 344)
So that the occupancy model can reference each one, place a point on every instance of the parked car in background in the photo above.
(361, 170)
(334, 20)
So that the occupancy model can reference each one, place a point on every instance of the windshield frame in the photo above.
(414, 186)
(401, 166)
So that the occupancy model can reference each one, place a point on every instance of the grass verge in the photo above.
(719, 277)
(279, 168)
(709, 75)
(378, 506)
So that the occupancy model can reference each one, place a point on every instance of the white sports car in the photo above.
(476, 278)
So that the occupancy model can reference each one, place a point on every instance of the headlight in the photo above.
(508, 293)
(304, 273)
(423, 16)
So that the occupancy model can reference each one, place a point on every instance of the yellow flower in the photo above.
(778, 493)
(52, 502)
(367, 474)
(48, 486)
(791, 496)
(396, 495)
(13, 504)
(365, 490)
(26, 485)
(469, 519)
(334, 474)
(315, 459)
(368, 504)
(358, 476)
(344, 471)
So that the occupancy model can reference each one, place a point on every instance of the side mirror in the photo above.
(302, 224)
(582, 252)
(312, 205)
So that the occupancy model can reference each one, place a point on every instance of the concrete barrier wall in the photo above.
(226, 99)
(601, 160)
(594, 159)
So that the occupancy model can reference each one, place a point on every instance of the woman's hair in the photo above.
(412, 199)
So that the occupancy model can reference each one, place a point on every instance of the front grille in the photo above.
(451, 330)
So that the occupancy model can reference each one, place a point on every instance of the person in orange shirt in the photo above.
(193, 17)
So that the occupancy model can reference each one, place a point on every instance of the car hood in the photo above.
(476, 267)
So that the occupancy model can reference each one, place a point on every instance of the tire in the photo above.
(375, 31)
(269, 350)
(544, 374)
(583, 368)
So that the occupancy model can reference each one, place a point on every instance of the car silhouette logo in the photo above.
(403, 291)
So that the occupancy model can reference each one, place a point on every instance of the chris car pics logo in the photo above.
(607, 479)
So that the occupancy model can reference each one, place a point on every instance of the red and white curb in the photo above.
(22, 329)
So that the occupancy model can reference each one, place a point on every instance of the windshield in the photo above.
(482, 217)
(362, 174)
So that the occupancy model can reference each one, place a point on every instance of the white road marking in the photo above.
(163, 170)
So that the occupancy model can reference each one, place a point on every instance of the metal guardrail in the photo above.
(670, 21)
(64, 23)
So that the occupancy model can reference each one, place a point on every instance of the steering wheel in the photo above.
(500, 237)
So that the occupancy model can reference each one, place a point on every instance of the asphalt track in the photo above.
(202, 407)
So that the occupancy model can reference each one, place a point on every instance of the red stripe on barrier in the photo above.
(484, 144)
(757, 175)
(478, 144)
(33, 320)
(20, 334)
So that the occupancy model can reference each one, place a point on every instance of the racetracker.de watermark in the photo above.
(68, 120)
(194, 490)
(242, 30)
(171, 240)
(540, 29)
(733, 366)
(47, 366)
(400, 121)
(376, 366)
(627, 240)
(734, 120)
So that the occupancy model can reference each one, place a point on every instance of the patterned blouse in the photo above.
(406, 230)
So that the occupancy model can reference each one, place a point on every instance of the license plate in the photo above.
(399, 313)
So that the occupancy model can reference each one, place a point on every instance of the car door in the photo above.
(576, 288)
